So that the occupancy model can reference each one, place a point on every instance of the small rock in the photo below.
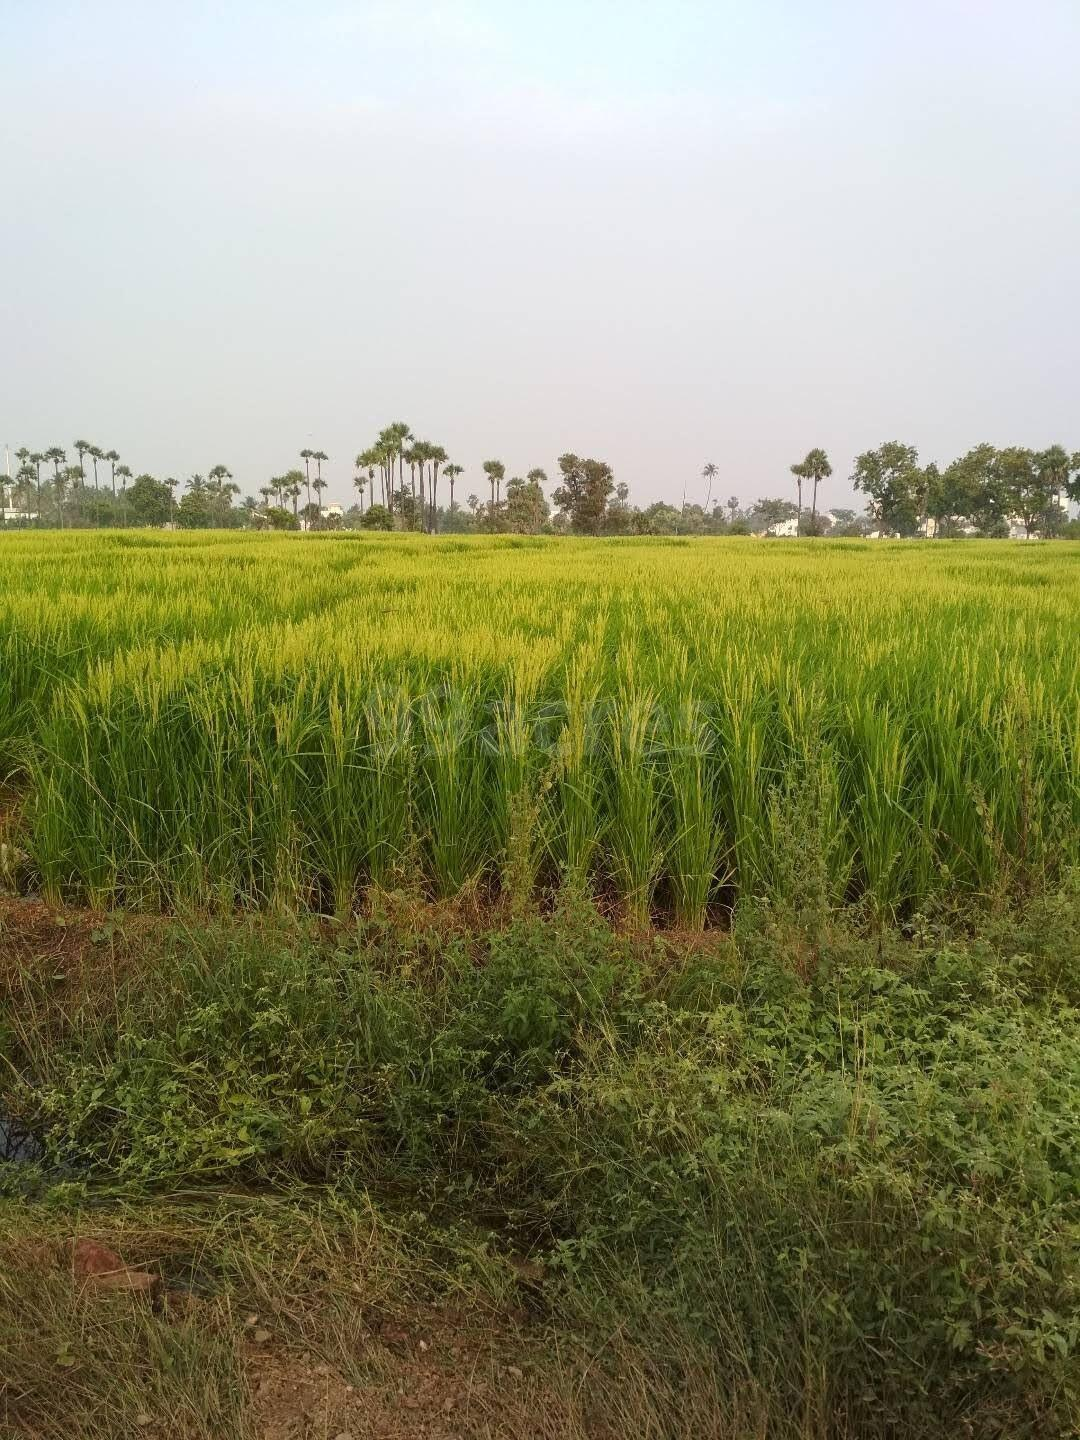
(423, 1345)
(143, 1418)
(250, 1320)
(515, 1372)
(448, 1405)
(261, 1337)
(343, 1435)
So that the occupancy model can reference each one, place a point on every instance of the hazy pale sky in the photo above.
(659, 233)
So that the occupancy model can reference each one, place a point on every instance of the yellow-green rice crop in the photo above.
(285, 720)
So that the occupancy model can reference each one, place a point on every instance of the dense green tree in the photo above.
(148, 501)
(1025, 488)
(527, 508)
(888, 477)
(378, 517)
(193, 512)
(583, 494)
(659, 518)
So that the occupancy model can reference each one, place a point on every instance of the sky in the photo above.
(657, 233)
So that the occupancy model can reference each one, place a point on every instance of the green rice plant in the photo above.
(884, 819)
(334, 800)
(387, 779)
(518, 766)
(452, 790)
(635, 803)
(575, 821)
(696, 839)
(222, 720)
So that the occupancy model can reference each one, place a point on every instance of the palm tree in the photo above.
(57, 456)
(81, 447)
(307, 456)
(399, 434)
(709, 473)
(319, 456)
(367, 460)
(360, 480)
(36, 457)
(495, 470)
(124, 471)
(112, 456)
(27, 484)
(437, 456)
(96, 453)
(732, 505)
(415, 457)
(452, 472)
(800, 472)
(318, 485)
(1053, 467)
(72, 475)
(293, 491)
(216, 477)
(815, 468)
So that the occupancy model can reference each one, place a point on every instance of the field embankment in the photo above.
(543, 1179)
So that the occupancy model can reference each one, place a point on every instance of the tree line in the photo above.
(398, 477)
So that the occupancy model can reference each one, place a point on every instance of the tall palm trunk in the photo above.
(813, 508)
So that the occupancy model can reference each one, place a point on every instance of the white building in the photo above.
(788, 529)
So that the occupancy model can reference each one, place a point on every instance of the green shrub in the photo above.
(841, 1167)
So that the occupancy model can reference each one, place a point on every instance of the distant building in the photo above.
(788, 529)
